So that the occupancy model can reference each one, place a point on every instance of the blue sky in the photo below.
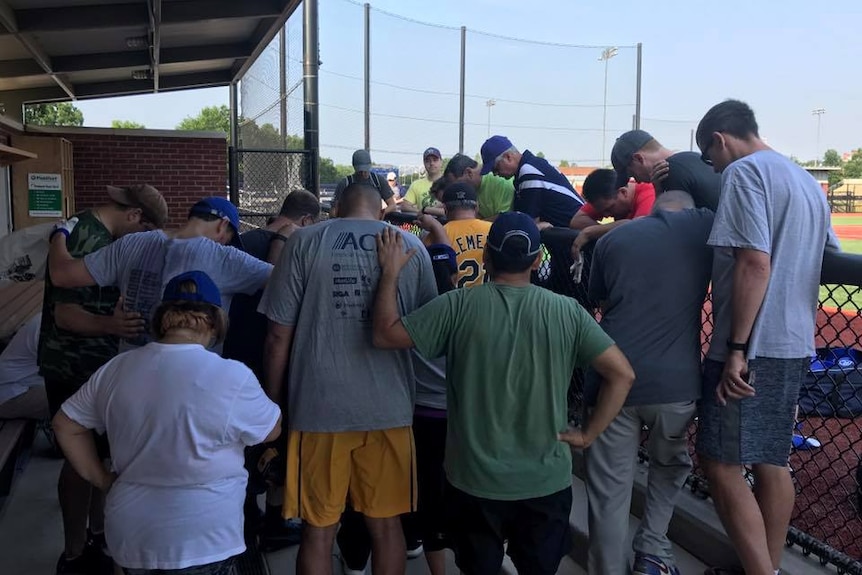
(784, 61)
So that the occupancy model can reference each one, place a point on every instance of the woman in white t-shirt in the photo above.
(178, 418)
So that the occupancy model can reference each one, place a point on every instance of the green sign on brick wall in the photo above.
(45, 198)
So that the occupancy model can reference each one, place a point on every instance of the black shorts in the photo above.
(429, 435)
(58, 391)
(537, 530)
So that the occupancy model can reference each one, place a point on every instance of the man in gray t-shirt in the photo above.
(350, 405)
(651, 277)
(771, 230)
(141, 264)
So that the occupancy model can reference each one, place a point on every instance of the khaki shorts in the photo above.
(375, 469)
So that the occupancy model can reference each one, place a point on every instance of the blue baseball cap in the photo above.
(432, 151)
(205, 289)
(491, 149)
(441, 254)
(515, 236)
(221, 207)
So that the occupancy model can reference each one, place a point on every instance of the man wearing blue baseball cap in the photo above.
(508, 460)
(540, 189)
(418, 196)
(141, 264)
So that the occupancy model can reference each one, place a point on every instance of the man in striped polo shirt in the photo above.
(540, 189)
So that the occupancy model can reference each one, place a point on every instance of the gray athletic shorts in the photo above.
(755, 429)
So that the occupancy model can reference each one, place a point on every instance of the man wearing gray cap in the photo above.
(637, 154)
(418, 196)
(362, 174)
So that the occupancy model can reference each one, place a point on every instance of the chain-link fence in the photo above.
(265, 179)
(564, 100)
(825, 457)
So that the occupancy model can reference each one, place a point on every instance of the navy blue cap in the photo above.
(441, 253)
(205, 290)
(432, 151)
(460, 194)
(221, 207)
(511, 225)
(491, 149)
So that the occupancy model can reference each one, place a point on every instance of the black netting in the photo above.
(265, 179)
(825, 458)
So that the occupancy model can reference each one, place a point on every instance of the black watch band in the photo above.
(736, 346)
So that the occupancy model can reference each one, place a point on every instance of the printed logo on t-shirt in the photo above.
(350, 241)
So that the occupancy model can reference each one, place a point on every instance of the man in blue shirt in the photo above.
(540, 189)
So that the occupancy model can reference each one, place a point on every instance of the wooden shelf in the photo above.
(10, 155)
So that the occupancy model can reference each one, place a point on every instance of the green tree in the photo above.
(564, 163)
(54, 114)
(832, 158)
(540, 155)
(853, 166)
(126, 125)
(209, 119)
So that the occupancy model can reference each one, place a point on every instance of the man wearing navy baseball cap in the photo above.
(540, 189)
(508, 458)
(418, 196)
(141, 264)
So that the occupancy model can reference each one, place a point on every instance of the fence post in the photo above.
(367, 76)
(311, 112)
(463, 82)
(233, 166)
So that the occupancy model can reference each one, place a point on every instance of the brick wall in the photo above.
(183, 168)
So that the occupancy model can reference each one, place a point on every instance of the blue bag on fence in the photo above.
(833, 385)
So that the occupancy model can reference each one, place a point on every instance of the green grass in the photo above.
(840, 297)
(851, 220)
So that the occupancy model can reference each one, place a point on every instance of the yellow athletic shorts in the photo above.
(375, 469)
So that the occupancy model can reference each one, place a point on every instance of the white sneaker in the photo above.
(348, 571)
(415, 552)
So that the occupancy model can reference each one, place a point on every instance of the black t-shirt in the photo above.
(372, 180)
(541, 191)
(689, 174)
(247, 328)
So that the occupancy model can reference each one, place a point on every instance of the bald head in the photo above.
(358, 200)
(673, 201)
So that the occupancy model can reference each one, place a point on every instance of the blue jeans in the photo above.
(226, 567)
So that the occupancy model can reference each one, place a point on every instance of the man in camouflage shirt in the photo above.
(81, 329)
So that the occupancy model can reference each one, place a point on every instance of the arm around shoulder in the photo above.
(66, 271)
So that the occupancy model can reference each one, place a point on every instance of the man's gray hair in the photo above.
(673, 201)
(512, 150)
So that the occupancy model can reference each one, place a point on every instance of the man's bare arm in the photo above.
(66, 271)
(581, 221)
(79, 447)
(276, 352)
(72, 317)
(389, 331)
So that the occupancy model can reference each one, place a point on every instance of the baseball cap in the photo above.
(361, 161)
(493, 147)
(431, 152)
(391, 176)
(221, 207)
(515, 236)
(444, 255)
(143, 196)
(459, 193)
(205, 289)
(624, 148)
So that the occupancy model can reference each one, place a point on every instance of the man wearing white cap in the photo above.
(398, 193)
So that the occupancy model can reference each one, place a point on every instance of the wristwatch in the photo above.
(736, 346)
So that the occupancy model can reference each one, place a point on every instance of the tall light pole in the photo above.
(607, 54)
(490, 103)
(818, 112)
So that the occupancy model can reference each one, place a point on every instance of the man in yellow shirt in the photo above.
(464, 232)
(418, 195)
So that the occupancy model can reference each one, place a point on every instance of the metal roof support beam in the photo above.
(131, 15)
(177, 82)
(155, 10)
(10, 22)
(140, 58)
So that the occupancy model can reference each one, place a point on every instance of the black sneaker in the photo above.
(81, 565)
(279, 534)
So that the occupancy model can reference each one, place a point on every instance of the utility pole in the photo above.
(607, 54)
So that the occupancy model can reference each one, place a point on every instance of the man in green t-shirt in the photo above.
(418, 196)
(495, 193)
(511, 349)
